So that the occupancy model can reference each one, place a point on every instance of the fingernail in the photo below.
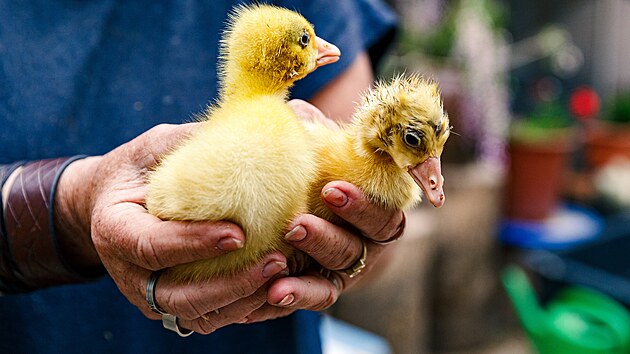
(298, 233)
(229, 244)
(272, 268)
(335, 197)
(287, 300)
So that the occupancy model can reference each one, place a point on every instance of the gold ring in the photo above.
(358, 266)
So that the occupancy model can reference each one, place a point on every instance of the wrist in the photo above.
(45, 233)
(72, 211)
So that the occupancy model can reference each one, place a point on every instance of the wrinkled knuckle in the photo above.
(100, 243)
(159, 130)
(205, 326)
(97, 230)
(328, 300)
(108, 236)
(360, 210)
(256, 302)
(331, 250)
(169, 304)
(198, 248)
(183, 307)
(388, 228)
(342, 257)
(350, 256)
(147, 254)
(246, 308)
(243, 288)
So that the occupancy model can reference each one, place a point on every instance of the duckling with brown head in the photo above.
(250, 161)
(391, 149)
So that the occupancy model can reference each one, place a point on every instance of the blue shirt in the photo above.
(82, 77)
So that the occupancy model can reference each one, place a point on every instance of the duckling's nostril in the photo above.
(433, 183)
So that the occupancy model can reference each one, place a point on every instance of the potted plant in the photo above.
(608, 138)
(540, 149)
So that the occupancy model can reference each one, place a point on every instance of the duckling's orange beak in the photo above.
(327, 53)
(428, 175)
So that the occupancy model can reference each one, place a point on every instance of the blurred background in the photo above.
(531, 251)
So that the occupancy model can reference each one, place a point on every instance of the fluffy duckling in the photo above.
(391, 150)
(249, 162)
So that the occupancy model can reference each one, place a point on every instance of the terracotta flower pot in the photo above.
(605, 142)
(535, 178)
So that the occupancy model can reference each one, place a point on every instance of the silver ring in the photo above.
(170, 322)
(150, 294)
(358, 266)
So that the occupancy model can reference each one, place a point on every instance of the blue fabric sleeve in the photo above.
(83, 77)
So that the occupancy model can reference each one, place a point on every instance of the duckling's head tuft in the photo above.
(404, 120)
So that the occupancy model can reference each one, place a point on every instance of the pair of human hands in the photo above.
(131, 243)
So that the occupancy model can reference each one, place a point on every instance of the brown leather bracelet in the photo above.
(29, 224)
(9, 281)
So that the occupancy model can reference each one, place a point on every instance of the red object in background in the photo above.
(584, 103)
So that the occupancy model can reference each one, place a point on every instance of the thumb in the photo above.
(152, 145)
(309, 113)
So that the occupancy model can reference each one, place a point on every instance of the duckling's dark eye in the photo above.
(304, 39)
(412, 138)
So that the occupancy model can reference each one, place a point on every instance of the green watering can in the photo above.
(576, 321)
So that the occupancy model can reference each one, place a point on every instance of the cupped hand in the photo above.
(105, 195)
(335, 248)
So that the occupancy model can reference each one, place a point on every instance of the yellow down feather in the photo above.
(250, 163)
(370, 152)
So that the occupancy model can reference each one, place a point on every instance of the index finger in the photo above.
(373, 221)
(151, 243)
(153, 144)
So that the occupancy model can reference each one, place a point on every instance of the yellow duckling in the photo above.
(390, 150)
(250, 161)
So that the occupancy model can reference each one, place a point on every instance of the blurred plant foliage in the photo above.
(549, 121)
(438, 42)
(618, 110)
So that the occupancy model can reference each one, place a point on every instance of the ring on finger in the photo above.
(170, 322)
(150, 293)
(358, 266)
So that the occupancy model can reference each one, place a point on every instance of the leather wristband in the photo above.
(9, 282)
(31, 245)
